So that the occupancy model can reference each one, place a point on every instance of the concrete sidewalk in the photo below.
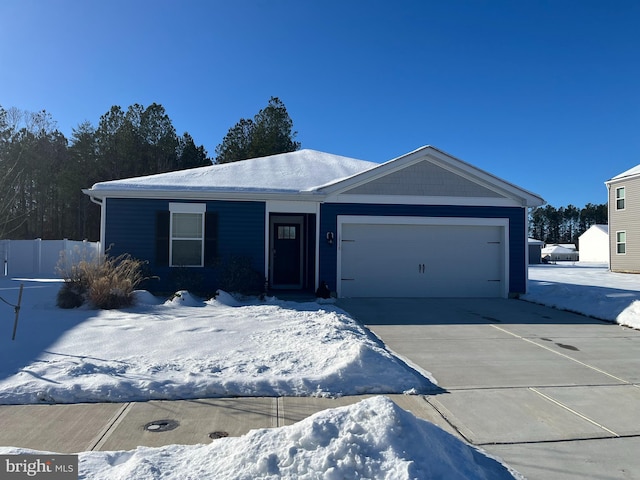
(554, 394)
(112, 426)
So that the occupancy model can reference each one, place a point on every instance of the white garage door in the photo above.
(418, 260)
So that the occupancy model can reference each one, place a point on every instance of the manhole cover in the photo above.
(216, 435)
(161, 425)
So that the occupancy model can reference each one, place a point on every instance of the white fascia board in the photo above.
(626, 178)
(409, 220)
(420, 200)
(179, 207)
(206, 195)
(291, 206)
(486, 179)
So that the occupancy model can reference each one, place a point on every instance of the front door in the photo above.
(286, 254)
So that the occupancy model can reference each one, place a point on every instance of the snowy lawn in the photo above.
(587, 288)
(188, 348)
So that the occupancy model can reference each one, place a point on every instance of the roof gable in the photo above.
(430, 173)
(602, 230)
(424, 179)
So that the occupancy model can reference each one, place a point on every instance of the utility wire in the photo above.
(10, 304)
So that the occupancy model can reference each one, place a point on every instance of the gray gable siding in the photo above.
(517, 232)
(627, 220)
(423, 179)
(131, 228)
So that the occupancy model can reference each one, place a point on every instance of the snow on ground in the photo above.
(188, 348)
(587, 288)
(373, 439)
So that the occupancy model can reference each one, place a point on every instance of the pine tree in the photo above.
(269, 133)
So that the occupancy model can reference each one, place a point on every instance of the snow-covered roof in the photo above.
(628, 173)
(308, 174)
(300, 171)
(558, 249)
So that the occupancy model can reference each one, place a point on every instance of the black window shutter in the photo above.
(162, 238)
(210, 238)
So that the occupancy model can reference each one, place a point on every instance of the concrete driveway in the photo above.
(554, 394)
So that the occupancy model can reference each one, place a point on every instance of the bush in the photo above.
(70, 296)
(107, 282)
(238, 276)
(190, 279)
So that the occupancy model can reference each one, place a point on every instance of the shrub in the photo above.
(70, 296)
(190, 279)
(107, 282)
(238, 276)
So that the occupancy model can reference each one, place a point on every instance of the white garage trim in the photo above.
(502, 223)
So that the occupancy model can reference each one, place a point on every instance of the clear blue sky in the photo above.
(544, 94)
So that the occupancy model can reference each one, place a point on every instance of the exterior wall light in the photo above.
(330, 238)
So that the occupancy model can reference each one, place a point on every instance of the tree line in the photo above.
(565, 224)
(43, 173)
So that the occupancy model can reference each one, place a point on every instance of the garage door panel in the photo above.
(422, 260)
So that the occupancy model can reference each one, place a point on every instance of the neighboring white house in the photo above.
(556, 252)
(594, 244)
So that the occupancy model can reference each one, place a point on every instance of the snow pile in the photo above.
(587, 288)
(189, 348)
(372, 439)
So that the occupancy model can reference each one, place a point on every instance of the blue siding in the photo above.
(131, 228)
(517, 232)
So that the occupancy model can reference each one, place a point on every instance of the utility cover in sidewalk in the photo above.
(161, 425)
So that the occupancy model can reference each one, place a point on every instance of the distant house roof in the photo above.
(627, 173)
(533, 241)
(558, 249)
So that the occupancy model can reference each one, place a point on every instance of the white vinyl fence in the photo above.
(41, 257)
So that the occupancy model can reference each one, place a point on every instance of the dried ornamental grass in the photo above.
(106, 283)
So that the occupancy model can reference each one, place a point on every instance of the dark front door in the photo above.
(286, 254)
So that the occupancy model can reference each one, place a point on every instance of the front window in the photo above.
(620, 198)
(186, 244)
(621, 243)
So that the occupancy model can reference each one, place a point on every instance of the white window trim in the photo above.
(200, 208)
(187, 207)
(623, 198)
(621, 243)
